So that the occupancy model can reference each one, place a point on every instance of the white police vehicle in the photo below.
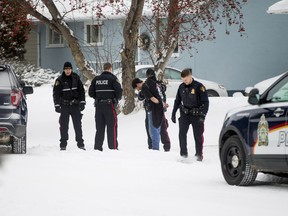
(255, 138)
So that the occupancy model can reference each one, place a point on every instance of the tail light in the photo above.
(3, 129)
(15, 97)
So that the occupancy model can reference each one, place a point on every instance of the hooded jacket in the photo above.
(152, 89)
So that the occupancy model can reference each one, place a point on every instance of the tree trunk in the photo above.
(128, 74)
(130, 33)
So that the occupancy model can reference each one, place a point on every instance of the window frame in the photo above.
(100, 37)
(50, 32)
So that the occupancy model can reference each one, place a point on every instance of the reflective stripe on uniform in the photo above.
(74, 88)
(104, 90)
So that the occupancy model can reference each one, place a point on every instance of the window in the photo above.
(141, 73)
(172, 74)
(279, 93)
(4, 79)
(94, 34)
(54, 38)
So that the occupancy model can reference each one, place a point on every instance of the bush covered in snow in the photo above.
(32, 75)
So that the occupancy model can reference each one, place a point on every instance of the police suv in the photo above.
(255, 138)
(13, 110)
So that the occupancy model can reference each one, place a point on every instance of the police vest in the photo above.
(69, 87)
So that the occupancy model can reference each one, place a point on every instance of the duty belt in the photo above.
(195, 111)
(70, 102)
(104, 101)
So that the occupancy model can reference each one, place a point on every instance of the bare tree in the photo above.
(182, 23)
(130, 31)
(58, 24)
(174, 24)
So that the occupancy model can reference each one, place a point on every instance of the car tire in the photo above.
(212, 93)
(236, 169)
(19, 145)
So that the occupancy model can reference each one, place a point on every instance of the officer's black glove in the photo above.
(82, 106)
(58, 109)
(173, 118)
(202, 118)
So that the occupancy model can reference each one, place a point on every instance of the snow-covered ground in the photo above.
(133, 181)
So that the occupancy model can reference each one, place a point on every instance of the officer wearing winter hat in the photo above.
(69, 100)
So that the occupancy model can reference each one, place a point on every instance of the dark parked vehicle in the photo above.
(13, 110)
(255, 138)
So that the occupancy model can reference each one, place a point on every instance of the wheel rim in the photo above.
(212, 93)
(233, 162)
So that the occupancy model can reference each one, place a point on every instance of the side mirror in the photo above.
(28, 90)
(254, 97)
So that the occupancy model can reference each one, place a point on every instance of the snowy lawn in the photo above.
(133, 181)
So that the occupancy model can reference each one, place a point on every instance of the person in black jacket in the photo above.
(107, 91)
(192, 99)
(165, 139)
(154, 97)
(69, 99)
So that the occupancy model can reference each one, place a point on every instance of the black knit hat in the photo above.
(150, 73)
(135, 82)
(67, 65)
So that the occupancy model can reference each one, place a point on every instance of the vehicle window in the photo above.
(279, 93)
(141, 73)
(172, 74)
(14, 80)
(4, 79)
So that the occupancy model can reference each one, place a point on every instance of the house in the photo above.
(232, 60)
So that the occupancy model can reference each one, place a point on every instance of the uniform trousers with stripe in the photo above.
(198, 129)
(106, 117)
(74, 112)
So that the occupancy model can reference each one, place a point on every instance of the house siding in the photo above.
(238, 62)
(32, 47)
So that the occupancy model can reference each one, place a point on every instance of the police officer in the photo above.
(69, 99)
(107, 91)
(137, 84)
(192, 99)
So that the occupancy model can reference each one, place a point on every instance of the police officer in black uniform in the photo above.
(192, 99)
(69, 99)
(107, 91)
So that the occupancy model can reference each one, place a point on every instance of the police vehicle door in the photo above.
(268, 127)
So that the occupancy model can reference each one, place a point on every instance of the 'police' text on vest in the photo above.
(101, 82)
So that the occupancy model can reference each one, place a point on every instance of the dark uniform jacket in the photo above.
(68, 90)
(105, 86)
(192, 96)
(152, 89)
